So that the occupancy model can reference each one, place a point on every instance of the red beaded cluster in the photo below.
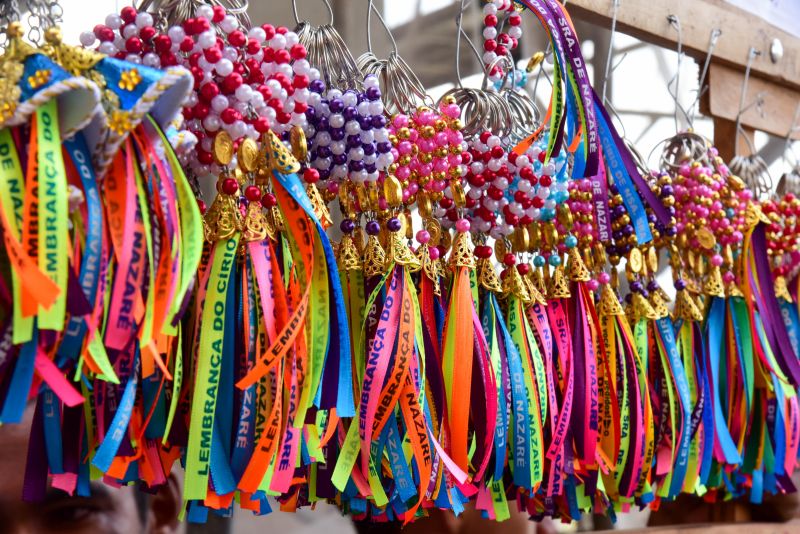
(498, 43)
(246, 81)
(783, 231)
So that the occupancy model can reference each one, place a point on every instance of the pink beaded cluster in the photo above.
(584, 230)
(428, 153)
(705, 200)
(497, 42)
(246, 82)
(580, 205)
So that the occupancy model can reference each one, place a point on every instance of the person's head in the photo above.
(108, 510)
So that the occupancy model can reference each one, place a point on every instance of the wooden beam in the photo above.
(647, 20)
(773, 115)
(725, 139)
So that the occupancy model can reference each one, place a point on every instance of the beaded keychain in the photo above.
(247, 82)
(394, 371)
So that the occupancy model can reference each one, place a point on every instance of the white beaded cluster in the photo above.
(506, 190)
(245, 82)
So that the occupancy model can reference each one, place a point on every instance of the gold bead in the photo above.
(15, 29)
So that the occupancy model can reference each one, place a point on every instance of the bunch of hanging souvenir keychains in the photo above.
(488, 328)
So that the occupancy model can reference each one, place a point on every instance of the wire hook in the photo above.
(372, 7)
(459, 32)
(297, 17)
(614, 10)
(675, 22)
(715, 34)
(751, 55)
(788, 141)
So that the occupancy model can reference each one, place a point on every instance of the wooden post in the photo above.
(725, 139)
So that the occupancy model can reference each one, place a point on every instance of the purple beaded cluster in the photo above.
(347, 134)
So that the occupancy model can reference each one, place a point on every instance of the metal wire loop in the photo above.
(171, 12)
(328, 52)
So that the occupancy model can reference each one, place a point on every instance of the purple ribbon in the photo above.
(770, 311)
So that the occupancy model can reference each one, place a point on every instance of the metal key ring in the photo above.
(401, 88)
(171, 12)
(685, 146)
(327, 51)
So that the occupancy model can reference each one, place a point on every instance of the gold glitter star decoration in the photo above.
(7, 111)
(129, 79)
(120, 122)
(10, 73)
(39, 78)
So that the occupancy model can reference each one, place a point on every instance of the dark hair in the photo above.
(142, 504)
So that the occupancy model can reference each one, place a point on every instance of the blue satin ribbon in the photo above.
(345, 405)
(681, 463)
(521, 446)
(404, 483)
(89, 276)
(618, 172)
(51, 413)
(490, 321)
(714, 329)
(792, 323)
(219, 464)
(245, 429)
(119, 424)
(154, 400)
(17, 396)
